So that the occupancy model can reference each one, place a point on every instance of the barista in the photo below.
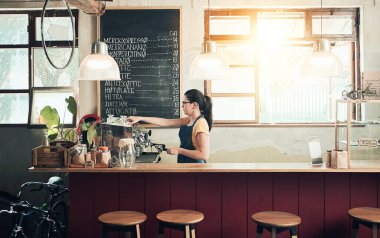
(194, 127)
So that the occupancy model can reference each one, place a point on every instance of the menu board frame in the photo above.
(176, 97)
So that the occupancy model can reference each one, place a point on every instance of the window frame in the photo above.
(309, 13)
(34, 43)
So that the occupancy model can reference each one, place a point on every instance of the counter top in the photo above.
(356, 167)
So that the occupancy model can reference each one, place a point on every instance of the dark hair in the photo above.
(204, 102)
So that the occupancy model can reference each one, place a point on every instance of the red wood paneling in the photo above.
(227, 200)
(209, 195)
(106, 198)
(363, 194)
(337, 203)
(132, 194)
(285, 194)
(183, 195)
(260, 198)
(311, 205)
(157, 199)
(234, 205)
(81, 205)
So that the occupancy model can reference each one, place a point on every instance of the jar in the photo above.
(127, 153)
(105, 155)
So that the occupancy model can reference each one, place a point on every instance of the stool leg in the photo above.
(293, 232)
(374, 230)
(137, 231)
(273, 232)
(355, 229)
(160, 230)
(192, 231)
(259, 231)
(187, 231)
(104, 231)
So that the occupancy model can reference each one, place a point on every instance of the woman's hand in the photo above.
(133, 119)
(173, 151)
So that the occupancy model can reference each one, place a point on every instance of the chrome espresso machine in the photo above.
(118, 128)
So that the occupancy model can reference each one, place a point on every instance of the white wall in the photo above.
(253, 144)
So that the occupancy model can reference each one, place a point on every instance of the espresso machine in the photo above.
(146, 150)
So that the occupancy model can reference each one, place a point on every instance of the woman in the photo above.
(194, 128)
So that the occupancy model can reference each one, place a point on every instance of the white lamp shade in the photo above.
(99, 65)
(322, 62)
(208, 65)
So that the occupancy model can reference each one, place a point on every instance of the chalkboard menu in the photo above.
(146, 45)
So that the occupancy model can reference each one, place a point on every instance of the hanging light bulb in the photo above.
(208, 65)
(99, 65)
(322, 62)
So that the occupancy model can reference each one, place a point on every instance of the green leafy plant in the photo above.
(53, 122)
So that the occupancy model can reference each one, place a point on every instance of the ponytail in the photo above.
(207, 111)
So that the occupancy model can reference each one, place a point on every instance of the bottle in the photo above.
(45, 141)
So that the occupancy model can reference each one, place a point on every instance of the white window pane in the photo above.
(332, 25)
(280, 26)
(14, 29)
(237, 54)
(45, 75)
(236, 108)
(14, 108)
(14, 69)
(55, 29)
(55, 99)
(286, 97)
(296, 101)
(241, 80)
(230, 25)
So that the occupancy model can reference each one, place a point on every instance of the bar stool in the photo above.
(125, 221)
(276, 222)
(367, 216)
(183, 220)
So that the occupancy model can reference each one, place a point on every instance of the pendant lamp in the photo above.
(322, 63)
(99, 65)
(208, 65)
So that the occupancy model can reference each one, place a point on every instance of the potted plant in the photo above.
(55, 129)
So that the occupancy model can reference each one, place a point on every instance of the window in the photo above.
(28, 82)
(265, 49)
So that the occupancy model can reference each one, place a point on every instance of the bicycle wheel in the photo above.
(42, 230)
(59, 211)
(50, 22)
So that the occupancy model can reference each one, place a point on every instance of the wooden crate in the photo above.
(50, 156)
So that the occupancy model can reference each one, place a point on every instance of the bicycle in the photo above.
(48, 220)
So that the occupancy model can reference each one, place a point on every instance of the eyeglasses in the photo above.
(184, 102)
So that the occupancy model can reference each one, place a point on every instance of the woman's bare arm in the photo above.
(156, 121)
(203, 152)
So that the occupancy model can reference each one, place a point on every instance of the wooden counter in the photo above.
(227, 194)
(357, 167)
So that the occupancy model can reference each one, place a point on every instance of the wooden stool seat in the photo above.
(183, 220)
(367, 216)
(126, 221)
(275, 222)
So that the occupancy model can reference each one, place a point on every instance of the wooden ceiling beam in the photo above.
(88, 6)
